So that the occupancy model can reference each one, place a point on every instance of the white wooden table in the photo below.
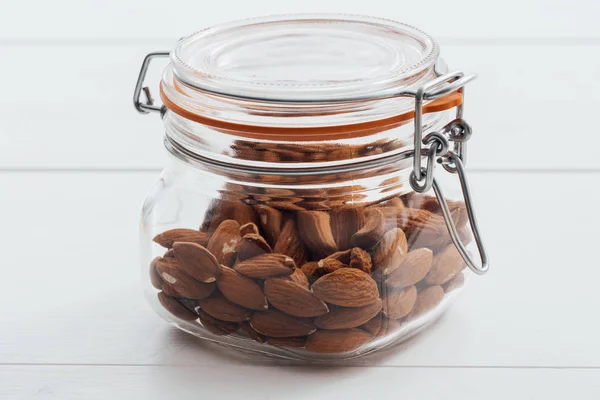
(76, 162)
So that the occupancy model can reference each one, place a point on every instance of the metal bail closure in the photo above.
(148, 105)
(458, 132)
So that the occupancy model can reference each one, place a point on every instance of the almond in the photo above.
(398, 303)
(223, 242)
(176, 308)
(446, 265)
(289, 243)
(360, 259)
(337, 341)
(315, 231)
(342, 256)
(327, 266)
(252, 334)
(167, 238)
(347, 287)
(251, 245)
(220, 308)
(196, 261)
(222, 210)
(172, 274)
(293, 299)
(266, 266)
(250, 227)
(216, 326)
(427, 299)
(169, 253)
(413, 268)
(381, 326)
(372, 231)
(155, 279)
(344, 224)
(310, 270)
(348, 317)
(423, 228)
(276, 324)
(270, 220)
(390, 249)
(299, 277)
(298, 342)
(454, 283)
(241, 290)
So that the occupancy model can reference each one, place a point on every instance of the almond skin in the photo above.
(223, 242)
(328, 265)
(344, 223)
(196, 261)
(220, 308)
(216, 326)
(341, 256)
(241, 290)
(360, 259)
(250, 227)
(446, 265)
(310, 270)
(155, 279)
(266, 266)
(297, 342)
(315, 231)
(173, 275)
(270, 220)
(293, 299)
(251, 245)
(221, 210)
(347, 287)
(176, 308)
(412, 269)
(348, 317)
(167, 238)
(337, 341)
(427, 299)
(276, 324)
(454, 283)
(386, 252)
(299, 277)
(372, 231)
(289, 243)
(398, 303)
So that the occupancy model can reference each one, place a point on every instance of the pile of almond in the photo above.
(327, 281)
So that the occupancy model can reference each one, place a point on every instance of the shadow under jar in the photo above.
(292, 219)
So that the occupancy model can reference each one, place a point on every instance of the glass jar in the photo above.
(299, 216)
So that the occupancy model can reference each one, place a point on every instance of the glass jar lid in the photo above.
(301, 58)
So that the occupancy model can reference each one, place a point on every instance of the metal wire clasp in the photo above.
(452, 159)
(148, 105)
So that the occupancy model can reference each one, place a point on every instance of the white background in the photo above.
(76, 161)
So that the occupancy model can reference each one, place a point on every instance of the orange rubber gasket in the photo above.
(319, 133)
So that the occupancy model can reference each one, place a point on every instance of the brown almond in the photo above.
(221, 210)
(249, 228)
(155, 279)
(196, 261)
(251, 245)
(223, 242)
(293, 299)
(216, 326)
(360, 259)
(276, 324)
(241, 290)
(337, 341)
(217, 306)
(423, 228)
(289, 243)
(266, 266)
(344, 224)
(342, 256)
(270, 220)
(390, 248)
(398, 303)
(347, 287)
(169, 253)
(172, 274)
(299, 277)
(427, 299)
(315, 231)
(252, 334)
(381, 326)
(446, 265)
(372, 231)
(412, 269)
(296, 342)
(328, 265)
(167, 238)
(348, 317)
(310, 270)
(454, 283)
(176, 308)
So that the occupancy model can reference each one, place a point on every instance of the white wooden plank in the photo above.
(137, 19)
(79, 113)
(253, 382)
(72, 294)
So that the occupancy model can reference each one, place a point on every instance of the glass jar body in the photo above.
(322, 266)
